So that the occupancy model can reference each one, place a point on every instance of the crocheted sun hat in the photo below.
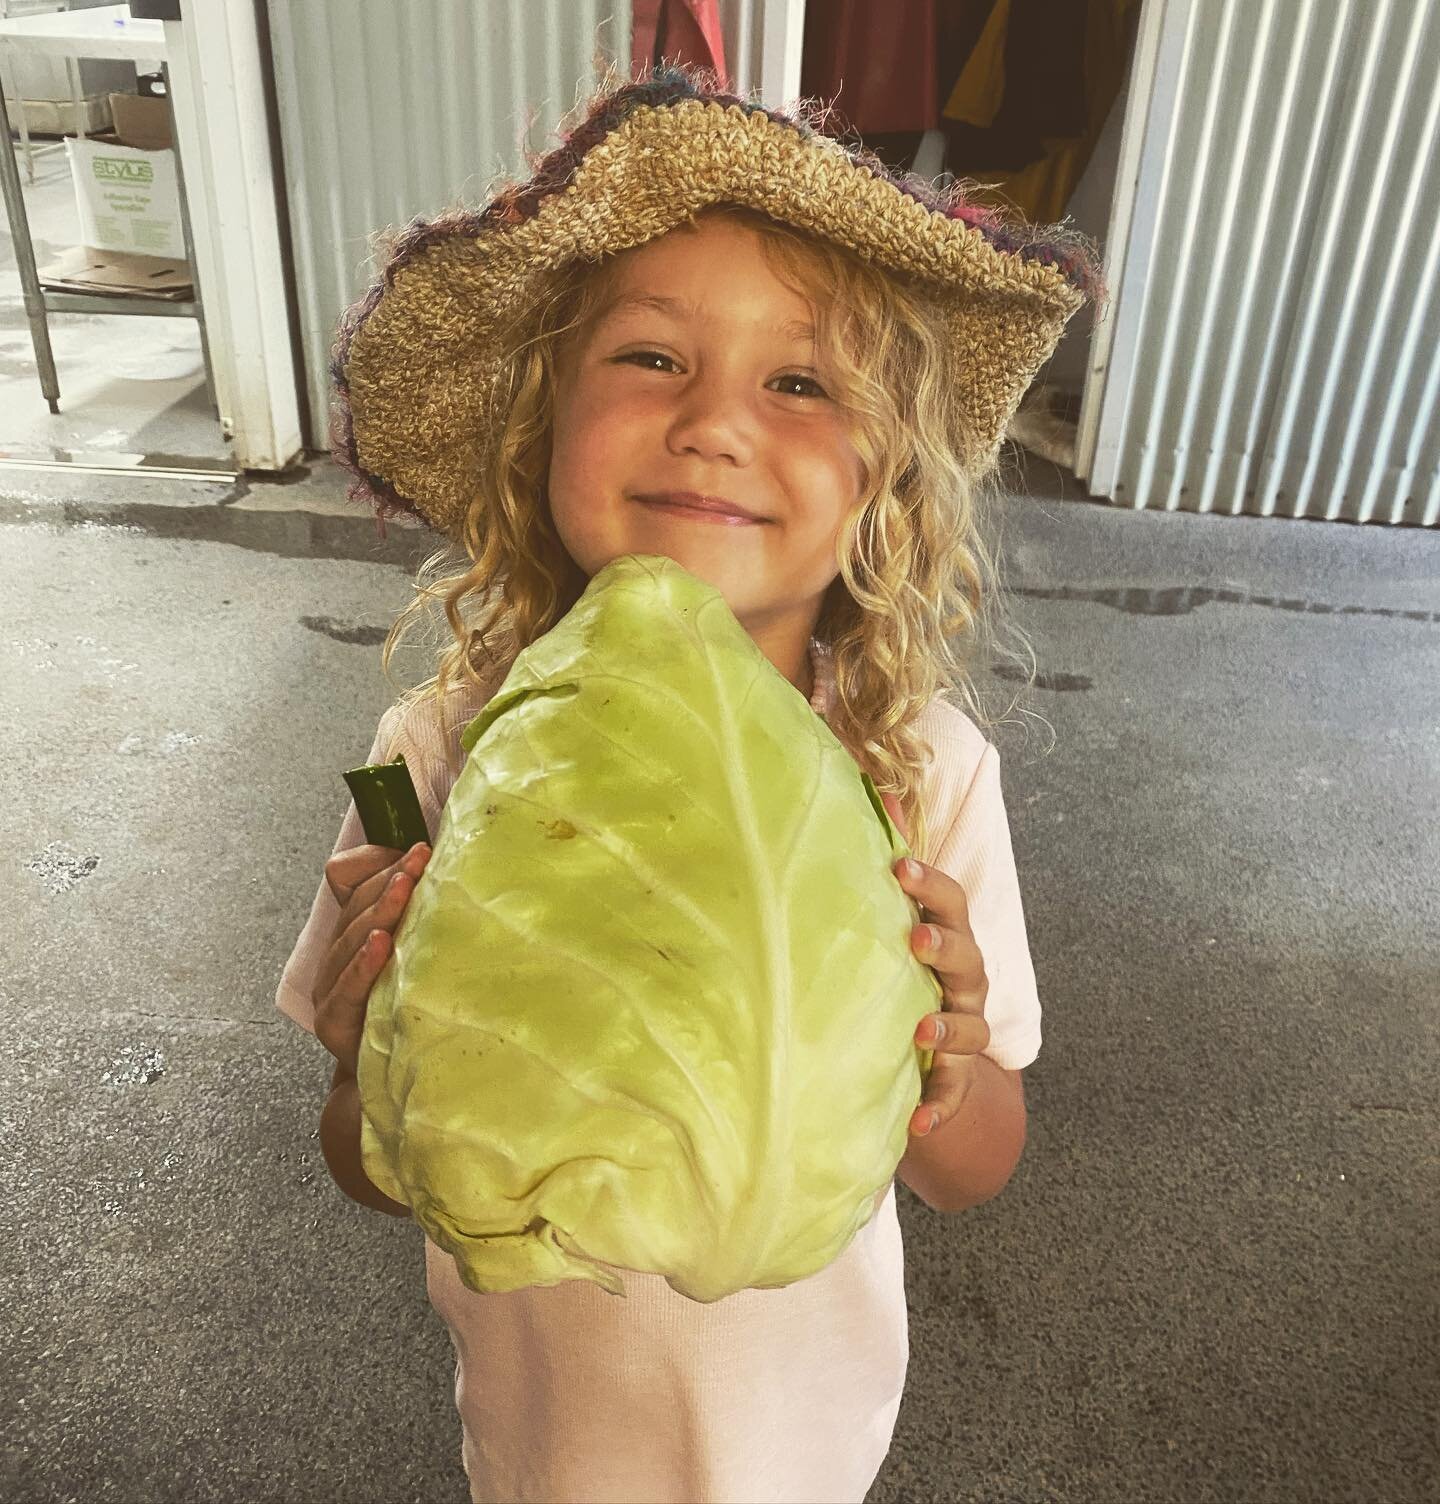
(416, 362)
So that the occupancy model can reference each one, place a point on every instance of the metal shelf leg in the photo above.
(25, 262)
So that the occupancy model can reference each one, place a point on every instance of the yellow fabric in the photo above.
(979, 90)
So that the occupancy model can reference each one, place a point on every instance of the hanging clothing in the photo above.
(1033, 96)
(1020, 89)
(684, 31)
(887, 69)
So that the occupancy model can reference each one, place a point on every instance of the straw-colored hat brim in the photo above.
(417, 362)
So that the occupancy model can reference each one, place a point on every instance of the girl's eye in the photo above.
(819, 391)
(645, 356)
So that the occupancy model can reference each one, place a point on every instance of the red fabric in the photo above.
(685, 31)
(880, 60)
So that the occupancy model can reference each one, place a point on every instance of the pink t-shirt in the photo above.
(567, 1392)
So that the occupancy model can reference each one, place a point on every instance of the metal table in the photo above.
(108, 32)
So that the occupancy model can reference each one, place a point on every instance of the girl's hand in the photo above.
(372, 885)
(959, 1031)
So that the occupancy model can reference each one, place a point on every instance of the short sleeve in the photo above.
(977, 853)
(297, 979)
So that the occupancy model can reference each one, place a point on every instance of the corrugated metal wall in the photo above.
(1273, 347)
(392, 108)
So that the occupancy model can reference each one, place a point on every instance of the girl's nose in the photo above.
(711, 422)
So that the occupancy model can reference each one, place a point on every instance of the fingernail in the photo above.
(909, 868)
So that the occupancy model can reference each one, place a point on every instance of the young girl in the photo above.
(705, 330)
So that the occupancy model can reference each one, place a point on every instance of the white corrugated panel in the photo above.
(1273, 343)
(393, 108)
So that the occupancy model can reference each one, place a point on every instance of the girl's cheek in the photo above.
(605, 405)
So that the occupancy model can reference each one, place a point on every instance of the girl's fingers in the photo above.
(362, 945)
(340, 1016)
(960, 1032)
(935, 891)
(348, 870)
(360, 955)
(384, 912)
(360, 872)
(372, 885)
(956, 960)
(925, 1119)
(966, 1037)
(380, 901)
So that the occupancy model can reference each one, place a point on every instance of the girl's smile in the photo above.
(697, 508)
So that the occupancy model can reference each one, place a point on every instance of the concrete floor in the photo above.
(130, 387)
(1213, 1277)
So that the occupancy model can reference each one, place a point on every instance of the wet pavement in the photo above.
(1213, 1276)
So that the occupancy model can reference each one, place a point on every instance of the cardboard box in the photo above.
(81, 269)
(141, 123)
(127, 198)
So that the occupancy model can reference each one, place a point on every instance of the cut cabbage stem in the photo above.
(388, 806)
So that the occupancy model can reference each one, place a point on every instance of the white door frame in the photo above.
(763, 44)
(220, 115)
(781, 42)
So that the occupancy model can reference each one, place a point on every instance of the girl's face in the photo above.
(700, 376)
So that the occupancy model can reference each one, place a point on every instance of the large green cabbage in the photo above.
(652, 1003)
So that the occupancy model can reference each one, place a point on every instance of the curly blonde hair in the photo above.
(916, 600)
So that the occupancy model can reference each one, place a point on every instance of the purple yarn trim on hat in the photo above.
(668, 84)
(364, 487)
